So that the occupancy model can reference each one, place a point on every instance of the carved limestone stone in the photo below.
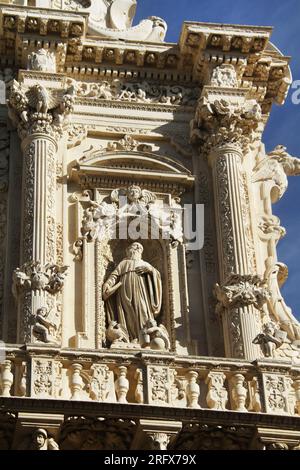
(42, 60)
(131, 280)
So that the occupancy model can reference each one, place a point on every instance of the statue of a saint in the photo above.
(138, 292)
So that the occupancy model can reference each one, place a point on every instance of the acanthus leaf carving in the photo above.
(242, 290)
(40, 110)
(221, 121)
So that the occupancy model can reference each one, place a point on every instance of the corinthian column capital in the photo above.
(40, 111)
(225, 119)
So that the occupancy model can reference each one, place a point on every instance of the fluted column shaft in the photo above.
(240, 319)
(39, 226)
(39, 182)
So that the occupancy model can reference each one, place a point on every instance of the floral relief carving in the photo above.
(45, 378)
(159, 385)
(143, 92)
(276, 393)
(217, 396)
(221, 121)
(241, 291)
(100, 385)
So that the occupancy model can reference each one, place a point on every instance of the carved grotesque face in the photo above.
(134, 251)
(39, 439)
(134, 193)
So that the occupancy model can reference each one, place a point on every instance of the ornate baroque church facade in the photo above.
(124, 342)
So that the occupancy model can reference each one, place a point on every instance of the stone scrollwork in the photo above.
(39, 110)
(241, 291)
(270, 228)
(35, 277)
(128, 143)
(113, 19)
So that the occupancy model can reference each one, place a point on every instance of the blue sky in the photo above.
(284, 125)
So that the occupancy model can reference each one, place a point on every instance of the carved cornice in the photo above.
(136, 411)
(202, 47)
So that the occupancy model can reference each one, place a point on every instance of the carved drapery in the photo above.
(40, 117)
(224, 128)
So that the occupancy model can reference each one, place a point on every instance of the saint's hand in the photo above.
(143, 270)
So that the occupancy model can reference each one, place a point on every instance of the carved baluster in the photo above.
(238, 392)
(76, 381)
(7, 378)
(192, 390)
(217, 396)
(296, 386)
(255, 398)
(139, 390)
(122, 384)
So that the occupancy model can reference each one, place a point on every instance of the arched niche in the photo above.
(97, 177)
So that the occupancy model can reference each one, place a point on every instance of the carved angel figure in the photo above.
(276, 275)
(46, 325)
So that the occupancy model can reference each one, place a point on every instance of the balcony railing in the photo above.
(150, 378)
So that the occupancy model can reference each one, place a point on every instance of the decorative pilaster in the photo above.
(224, 127)
(40, 116)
